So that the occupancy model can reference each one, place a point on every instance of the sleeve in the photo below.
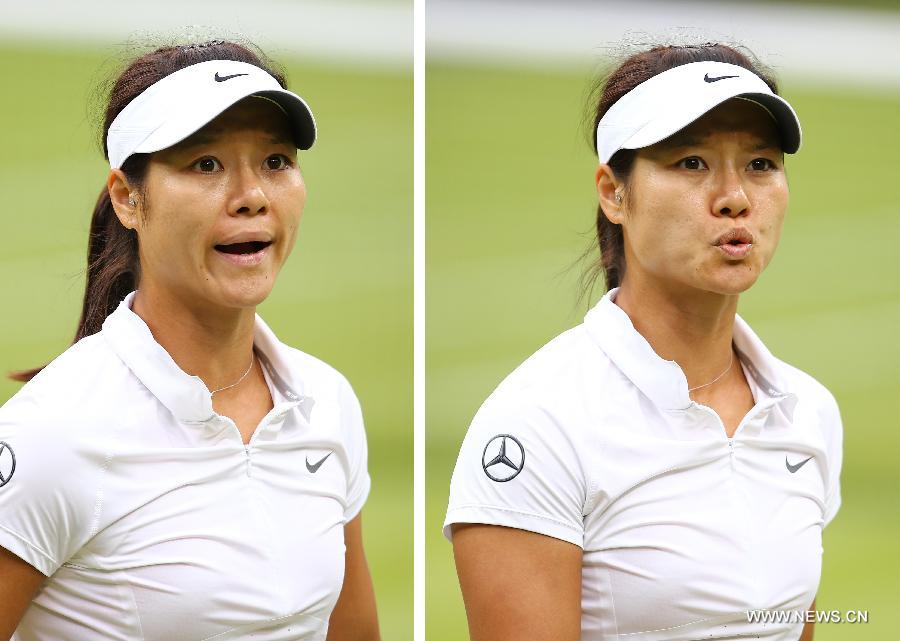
(358, 481)
(518, 467)
(834, 435)
(45, 501)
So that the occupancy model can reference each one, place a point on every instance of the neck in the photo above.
(692, 328)
(213, 343)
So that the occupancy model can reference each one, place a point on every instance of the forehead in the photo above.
(734, 116)
(252, 114)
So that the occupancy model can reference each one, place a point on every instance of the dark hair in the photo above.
(634, 70)
(113, 265)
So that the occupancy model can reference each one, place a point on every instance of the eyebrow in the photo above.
(205, 138)
(766, 144)
(679, 141)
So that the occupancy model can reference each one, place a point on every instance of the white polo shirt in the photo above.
(150, 516)
(594, 440)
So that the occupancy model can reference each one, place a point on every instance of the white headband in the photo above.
(172, 109)
(673, 99)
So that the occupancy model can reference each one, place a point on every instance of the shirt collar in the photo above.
(662, 381)
(186, 396)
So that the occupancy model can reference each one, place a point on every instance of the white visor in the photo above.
(172, 109)
(670, 101)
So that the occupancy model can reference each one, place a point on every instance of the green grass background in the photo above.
(510, 206)
(345, 294)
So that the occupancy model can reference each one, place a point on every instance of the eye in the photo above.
(693, 163)
(207, 165)
(277, 162)
(761, 164)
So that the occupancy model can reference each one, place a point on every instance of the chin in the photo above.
(248, 293)
(735, 280)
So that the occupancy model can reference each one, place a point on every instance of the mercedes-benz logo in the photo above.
(503, 458)
(7, 463)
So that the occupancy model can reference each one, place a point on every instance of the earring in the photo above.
(618, 197)
(131, 200)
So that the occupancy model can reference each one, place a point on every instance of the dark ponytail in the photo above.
(113, 267)
(113, 263)
(629, 74)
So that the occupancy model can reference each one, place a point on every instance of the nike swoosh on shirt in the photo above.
(315, 466)
(793, 468)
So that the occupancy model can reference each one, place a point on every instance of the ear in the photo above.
(123, 199)
(611, 192)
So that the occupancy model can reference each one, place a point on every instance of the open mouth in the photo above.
(251, 247)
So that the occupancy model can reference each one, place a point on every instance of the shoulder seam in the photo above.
(499, 508)
(31, 545)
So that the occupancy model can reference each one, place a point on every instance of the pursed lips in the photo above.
(735, 243)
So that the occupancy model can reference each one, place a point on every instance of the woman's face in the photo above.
(704, 208)
(222, 209)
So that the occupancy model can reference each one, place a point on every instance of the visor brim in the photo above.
(174, 131)
(780, 110)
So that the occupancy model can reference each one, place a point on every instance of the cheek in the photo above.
(294, 202)
(664, 226)
(177, 228)
(772, 213)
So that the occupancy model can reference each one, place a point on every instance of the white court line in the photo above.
(368, 34)
(819, 44)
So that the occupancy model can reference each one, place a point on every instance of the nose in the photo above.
(249, 195)
(731, 198)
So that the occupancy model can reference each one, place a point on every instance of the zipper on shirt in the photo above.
(728, 440)
(247, 458)
(756, 411)
(277, 413)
